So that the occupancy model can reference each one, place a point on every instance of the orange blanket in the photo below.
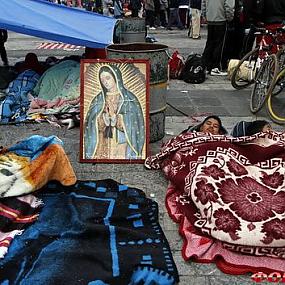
(30, 164)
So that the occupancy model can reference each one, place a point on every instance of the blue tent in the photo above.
(56, 22)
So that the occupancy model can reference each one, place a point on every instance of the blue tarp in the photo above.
(57, 22)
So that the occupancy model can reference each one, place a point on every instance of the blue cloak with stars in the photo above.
(133, 120)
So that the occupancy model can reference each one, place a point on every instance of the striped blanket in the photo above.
(58, 45)
(94, 232)
(15, 215)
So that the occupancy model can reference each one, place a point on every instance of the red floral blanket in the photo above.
(228, 194)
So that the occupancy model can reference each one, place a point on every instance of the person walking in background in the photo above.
(156, 13)
(234, 36)
(118, 9)
(218, 13)
(98, 6)
(3, 39)
(183, 9)
(107, 4)
(174, 17)
(135, 6)
(71, 3)
(195, 6)
(150, 14)
(163, 13)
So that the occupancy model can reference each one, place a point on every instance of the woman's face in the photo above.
(107, 80)
(266, 128)
(211, 126)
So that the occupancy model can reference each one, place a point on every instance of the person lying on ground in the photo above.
(31, 63)
(211, 124)
(244, 128)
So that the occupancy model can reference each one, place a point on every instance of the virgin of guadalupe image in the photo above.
(114, 124)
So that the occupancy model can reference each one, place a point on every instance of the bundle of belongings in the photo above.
(38, 93)
(24, 168)
(228, 195)
(75, 232)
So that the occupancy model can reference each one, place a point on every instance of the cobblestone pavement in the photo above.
(215, 95)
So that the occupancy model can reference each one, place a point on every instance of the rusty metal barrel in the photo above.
(157, 54)
(132, 30)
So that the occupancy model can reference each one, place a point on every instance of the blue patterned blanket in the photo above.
(95, 233)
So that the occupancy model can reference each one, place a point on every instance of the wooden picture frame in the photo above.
(114, 108)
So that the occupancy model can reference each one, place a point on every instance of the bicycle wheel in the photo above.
(278, 85)
(280, 80)
(250, 63)
(276, 104)
(263, 83)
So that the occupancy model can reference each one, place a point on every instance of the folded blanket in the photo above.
(231, 190)
(58, 105)
(31, 163)
(58, 90)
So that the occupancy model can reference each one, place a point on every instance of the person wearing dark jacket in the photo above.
(135, 6)
(3, 53)
(235, 36)
(174, 15)
(183, 10)
(218, 14)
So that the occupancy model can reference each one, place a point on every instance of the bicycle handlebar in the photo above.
(264, 31)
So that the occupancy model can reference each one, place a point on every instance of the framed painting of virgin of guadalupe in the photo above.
(114, 123)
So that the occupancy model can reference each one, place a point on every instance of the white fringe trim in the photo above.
(4, 249)
(32, 200)
(36, 203)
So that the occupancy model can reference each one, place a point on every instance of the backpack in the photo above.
(176, 65)
(194, 70)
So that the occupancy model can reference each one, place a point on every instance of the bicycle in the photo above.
(252, 60)
(276, 99)
(265, 66)
(272, 83)
(263, 82)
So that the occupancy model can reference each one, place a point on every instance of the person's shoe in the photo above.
(6, 64)
(216, 71)
(152, 28)
(169, 28)
(197, 38)
(149, 39)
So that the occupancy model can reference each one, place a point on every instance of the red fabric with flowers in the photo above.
(230, 190)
